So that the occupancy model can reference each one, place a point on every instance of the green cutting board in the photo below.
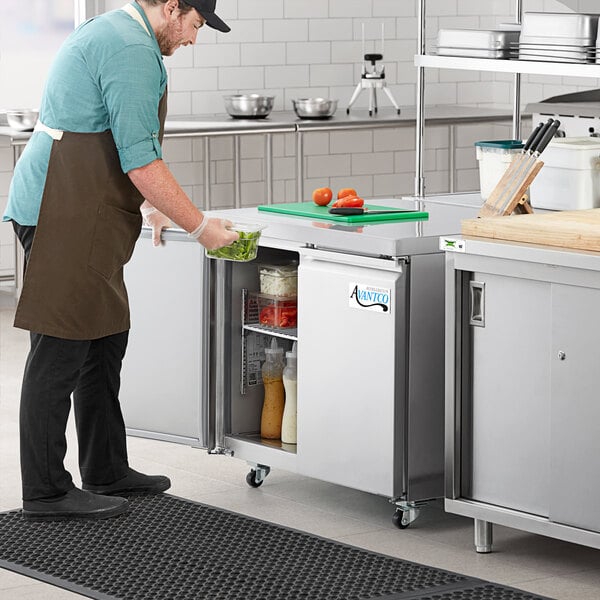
(312, 211)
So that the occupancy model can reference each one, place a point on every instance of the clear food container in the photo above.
(279, 280)
(273, 312)
(242, 250)
(494, 157)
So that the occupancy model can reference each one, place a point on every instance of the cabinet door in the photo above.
(508, 441)
(351, 372)
(164, 372)
(575, 407)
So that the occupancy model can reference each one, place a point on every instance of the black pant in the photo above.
(55, 369)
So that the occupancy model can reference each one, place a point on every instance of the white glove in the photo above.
(214, 233)
(155, 219)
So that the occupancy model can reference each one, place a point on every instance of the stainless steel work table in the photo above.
(208, 126)
(375, 239)
(287, 122)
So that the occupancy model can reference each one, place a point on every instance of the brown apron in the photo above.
(87, 228)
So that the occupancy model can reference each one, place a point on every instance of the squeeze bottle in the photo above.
(290, 381)
(272, 410)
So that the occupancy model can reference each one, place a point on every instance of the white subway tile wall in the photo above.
(299, 48)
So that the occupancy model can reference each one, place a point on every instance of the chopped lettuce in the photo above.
(242, 250)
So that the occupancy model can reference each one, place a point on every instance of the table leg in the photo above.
(269, 167)
(451, 158)
(207, 198)
(237, 172)
(19, 252)
(299, 166)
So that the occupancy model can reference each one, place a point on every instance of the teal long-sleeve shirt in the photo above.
(108, 75)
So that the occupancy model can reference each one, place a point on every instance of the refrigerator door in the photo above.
(164, 383)
(352, 330)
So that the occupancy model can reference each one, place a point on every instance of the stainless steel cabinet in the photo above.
(575, 409)
(510, 394)
(522, 388)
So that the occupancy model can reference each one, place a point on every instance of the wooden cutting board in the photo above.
(578, 229)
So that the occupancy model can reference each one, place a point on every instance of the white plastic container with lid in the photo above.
(279, 280)
(570, 177)
(494, 157)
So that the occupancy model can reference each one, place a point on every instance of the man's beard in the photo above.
(165, 43)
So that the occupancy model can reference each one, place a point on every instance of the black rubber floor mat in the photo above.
(168, 548)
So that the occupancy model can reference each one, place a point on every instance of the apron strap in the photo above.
(132, 12)
(55, 134)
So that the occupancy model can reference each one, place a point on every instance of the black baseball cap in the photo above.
(207, 9)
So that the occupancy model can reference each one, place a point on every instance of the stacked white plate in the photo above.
(558, 37)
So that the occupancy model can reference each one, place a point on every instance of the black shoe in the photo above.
(132, 483)
(75, 504)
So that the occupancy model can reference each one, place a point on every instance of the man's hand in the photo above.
(155, 219)
(214, 233)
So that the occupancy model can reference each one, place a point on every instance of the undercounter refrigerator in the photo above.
(368, 322)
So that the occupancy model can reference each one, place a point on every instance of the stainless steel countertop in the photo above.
(550, 256)
(392, 238)
(288, 122)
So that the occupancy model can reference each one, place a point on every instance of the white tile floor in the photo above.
(533, 563)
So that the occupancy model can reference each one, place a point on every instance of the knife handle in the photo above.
(532, 137)
(540, 134)
(346, 211)
(547, 137)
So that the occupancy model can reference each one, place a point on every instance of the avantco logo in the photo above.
(368, 297)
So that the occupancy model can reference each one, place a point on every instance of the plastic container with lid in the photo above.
(273, 312)
(570, 178)
(279, 280)
(494, 157)
(274, 399)
(242, 250)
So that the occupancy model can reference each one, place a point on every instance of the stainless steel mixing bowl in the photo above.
(22, 119)
(248, 106)
(314, 108)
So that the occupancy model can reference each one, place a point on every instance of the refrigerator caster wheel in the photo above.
(398, 520)
(257, 475)
(403, 518)
(251, 479)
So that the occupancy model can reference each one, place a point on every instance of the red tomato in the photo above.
(349, 202)
(322, 196)
(346, 192)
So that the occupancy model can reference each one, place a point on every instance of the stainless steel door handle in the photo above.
(477, 303)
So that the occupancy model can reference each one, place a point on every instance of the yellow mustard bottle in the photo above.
(274, 400)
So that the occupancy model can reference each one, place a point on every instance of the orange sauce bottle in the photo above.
(274, 399)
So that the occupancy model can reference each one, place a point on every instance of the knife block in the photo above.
(509, 196)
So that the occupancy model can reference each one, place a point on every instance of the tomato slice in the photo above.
(346, 192)
(349, 202)
(279, 316)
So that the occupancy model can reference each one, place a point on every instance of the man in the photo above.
(75, 203)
